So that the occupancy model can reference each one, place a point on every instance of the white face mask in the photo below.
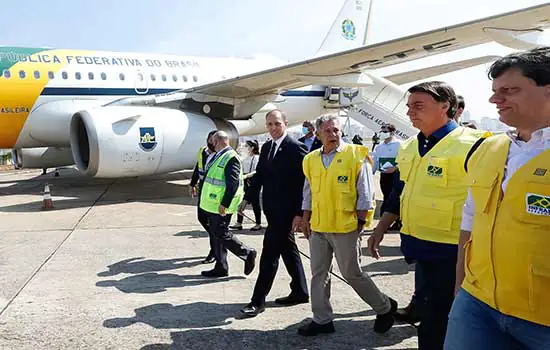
(385, 135)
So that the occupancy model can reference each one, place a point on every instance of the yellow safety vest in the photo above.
(200, 164)
(435, 189)
(334, 190)
(507, 259)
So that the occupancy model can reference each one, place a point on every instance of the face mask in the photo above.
(211, 147)
(305, 130)
(384, 135)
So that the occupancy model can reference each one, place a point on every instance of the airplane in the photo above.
(115, 114)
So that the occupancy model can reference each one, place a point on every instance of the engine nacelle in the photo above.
(123, 141)
(42, 157)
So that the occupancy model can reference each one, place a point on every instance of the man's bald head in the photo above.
(220, 139)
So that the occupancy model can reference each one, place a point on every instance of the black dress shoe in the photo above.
(252, 310)
(313, 328)
(292, 300)
(214, 273)
(209, 260)
(250, 262)
(411, 313)
(384, 322)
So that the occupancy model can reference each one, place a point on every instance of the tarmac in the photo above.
(116, 265)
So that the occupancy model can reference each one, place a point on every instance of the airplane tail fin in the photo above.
(350, 28)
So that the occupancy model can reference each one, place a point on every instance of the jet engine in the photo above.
(125, 141)
(41, 157)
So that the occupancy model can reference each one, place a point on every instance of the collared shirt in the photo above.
(385, 152)
(364, 185)
(308, 141)
(412, 247)
(520, 152)
(278, 143)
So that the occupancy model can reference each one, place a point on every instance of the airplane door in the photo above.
(141, 83)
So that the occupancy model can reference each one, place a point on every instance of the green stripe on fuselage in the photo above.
(10, 55)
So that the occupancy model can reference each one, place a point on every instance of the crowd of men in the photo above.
(473, 211)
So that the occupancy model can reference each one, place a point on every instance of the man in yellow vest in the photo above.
(221, 195)
(431, 168)
(338, 200)
(195, 187)
(504, 256)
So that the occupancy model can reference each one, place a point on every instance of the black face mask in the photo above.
(211, 147)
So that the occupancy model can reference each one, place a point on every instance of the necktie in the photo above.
(272, 150)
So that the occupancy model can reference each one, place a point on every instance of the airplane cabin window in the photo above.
(91, 75)
(153, 77)
(77, 75)
(174, 77)
(7, 74)
(121, 76)
(36, 74)
(163, 77)
(22, 74)
(103, 76)
(140, 77)
(64, 75)
(51, 75)
(195, 79)
(185, 79)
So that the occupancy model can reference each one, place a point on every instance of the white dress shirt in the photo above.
(278, 144)
(520, 153)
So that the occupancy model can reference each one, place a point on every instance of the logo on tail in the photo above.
(348, 29)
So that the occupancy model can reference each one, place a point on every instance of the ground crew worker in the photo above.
(503, 301)
(431, 166)
(221, 195)
(338, 200)
(195, 187)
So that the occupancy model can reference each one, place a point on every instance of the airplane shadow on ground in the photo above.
(350, 334)
(388, 267)
(204, 234)
(72, 190)
(138, 265)
(153, 282)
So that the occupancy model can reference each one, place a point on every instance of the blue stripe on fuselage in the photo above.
(78, 91)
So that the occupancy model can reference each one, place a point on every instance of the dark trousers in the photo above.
(224, 241)
(255, 201)
(279, 242)
(439, 283)
(202, 216)
(419, 295)
(386, 185)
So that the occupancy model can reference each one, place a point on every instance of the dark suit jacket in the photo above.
(195, 177)
(282, 180)
(316, 143)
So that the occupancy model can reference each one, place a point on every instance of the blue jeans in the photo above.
(474, 325)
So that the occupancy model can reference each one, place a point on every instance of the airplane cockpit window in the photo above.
(163, 77)
(77, 75)
(174, 77)
(91, 75)
(185, 79)
(22, 74)
(153, 77)
(121, 76)
(64, 75)
(36, 74)
(103, 76)
(195, 79)
(51, 75)
(7, 74)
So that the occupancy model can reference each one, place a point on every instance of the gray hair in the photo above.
(325, 118)
(221, 135)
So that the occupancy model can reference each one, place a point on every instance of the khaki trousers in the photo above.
(347, 249)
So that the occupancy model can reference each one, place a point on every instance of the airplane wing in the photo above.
(423, 73)
(380, 55)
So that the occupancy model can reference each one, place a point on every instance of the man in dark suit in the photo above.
(309, 139)
(195, 187)
(279, 172)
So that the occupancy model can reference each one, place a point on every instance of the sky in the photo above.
(289, 29)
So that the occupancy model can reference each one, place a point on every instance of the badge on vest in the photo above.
(540, 172)
(342, 179)
(212, 196)
(538, 204)
(435, 171)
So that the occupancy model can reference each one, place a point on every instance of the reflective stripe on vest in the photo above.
(201, 163)
(334, 190)
(435, 191)
(214, 185)
(507, 260)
